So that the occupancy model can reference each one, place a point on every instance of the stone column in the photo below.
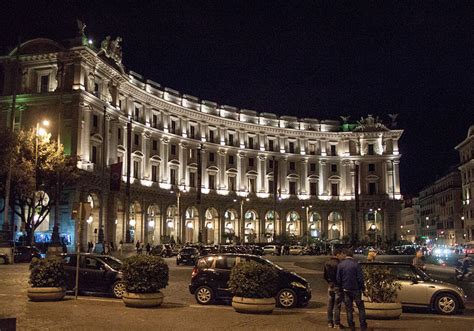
(262, 165)
(146, 155)
(389, 178)
(323, 181)
(396, 174)
(304, 176)
(164, 169)
(241, 169)
(183, 162)
(221, 164)
(85, 155)
(107, 140)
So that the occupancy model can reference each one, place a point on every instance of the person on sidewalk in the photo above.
(148, 248)
(350, 279)
(137, 245)
(120, 247)
(334, 293)
(419, 260)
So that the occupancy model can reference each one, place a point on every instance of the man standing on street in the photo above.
(419, 260)
(350, 279)
(334, 293)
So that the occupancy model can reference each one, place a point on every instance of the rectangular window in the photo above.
(372, 188)
(137, 114)
(211, 136)
(371, 167)
(370, 149)
(154, 145)
(192, 179)
(312, 167)
(192, 132)
(135, 169)
(173, 176)
(291, 147)
(94, 154)
(333, 167)
(252, 185)
(251, 142)
(211, 157)
(119, 135)
(312, 149)
(232, 183)
(270, 186)
(251, 162)
(334, 190)
(173, 149)
(333, 150)
(44, 87)
(154, 122)
(96, 90)
(154, 170)
(292, 188)
(231, 139)
(292, 166)
(136, 139)
(95, 121)
(270, 145)
(270, 164)
(231, 159)
(212, 182)
(313, 188)
(173, 126)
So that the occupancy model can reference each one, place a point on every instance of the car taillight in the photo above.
(195, 272)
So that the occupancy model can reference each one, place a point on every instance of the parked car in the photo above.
(97, 273)
(211, 274)
(420, 290)
(270, 249)
(26, 254)
(256, 250)
(296, 250)
(187, 255)
(206, 250)
(163, 250)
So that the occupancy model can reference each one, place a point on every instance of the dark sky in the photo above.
(317, 59)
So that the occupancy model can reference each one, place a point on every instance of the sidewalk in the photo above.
(90, 313)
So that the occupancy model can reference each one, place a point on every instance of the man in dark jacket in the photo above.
(350, 279)
(334, 293)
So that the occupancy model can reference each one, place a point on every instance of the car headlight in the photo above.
(297, 284)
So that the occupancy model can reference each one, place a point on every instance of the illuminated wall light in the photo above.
(151, 224)
(132, 222)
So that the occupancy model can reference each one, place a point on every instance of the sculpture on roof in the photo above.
(112, 49)
(370, 124)
(393, 117)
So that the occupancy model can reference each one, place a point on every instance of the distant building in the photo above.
(410, 224)
(171, 142)
(466, 168)
(440, 210)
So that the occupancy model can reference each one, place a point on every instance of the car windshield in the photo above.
(114, 263)
(188, 250)
(272, 264)
(423, 275)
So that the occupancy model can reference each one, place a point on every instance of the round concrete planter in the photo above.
(142, 300)
(376, 310)
(46, 293)
(253, 306)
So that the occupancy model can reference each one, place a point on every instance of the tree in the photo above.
(39, 164)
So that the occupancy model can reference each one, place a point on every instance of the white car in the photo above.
(270, 249)
(296, 250)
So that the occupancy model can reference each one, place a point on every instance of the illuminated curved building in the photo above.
(110, 115)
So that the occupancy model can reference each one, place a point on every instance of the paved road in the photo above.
(181, 311)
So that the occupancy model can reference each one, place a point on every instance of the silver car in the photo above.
(420, 290)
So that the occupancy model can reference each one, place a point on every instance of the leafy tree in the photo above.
(39, 164)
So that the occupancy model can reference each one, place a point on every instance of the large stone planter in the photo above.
(142, 300)
(253, 306)
(46, 293)
(376, 310)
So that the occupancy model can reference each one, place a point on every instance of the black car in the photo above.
(211, 274)
(163, 250)
(97, 273)
(26, 253)
(187, 255)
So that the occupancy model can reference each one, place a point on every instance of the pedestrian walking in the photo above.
(120, 247)
(137, 245)
(371, 256)
(335, 295)
(148, 248)
(351, 280)
(419, 260)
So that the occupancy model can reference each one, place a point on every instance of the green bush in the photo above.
(47, 273)
(253, 280)
(145, 274)
(381, 285)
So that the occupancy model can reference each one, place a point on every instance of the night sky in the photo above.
(320, 59)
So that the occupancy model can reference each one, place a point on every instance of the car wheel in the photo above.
(204, 295)
(446, 304)
(118, 289)
(286, 298)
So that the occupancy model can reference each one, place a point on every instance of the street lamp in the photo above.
(308, 207)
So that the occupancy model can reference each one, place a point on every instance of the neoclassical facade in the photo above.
(261, 175)
(466, 169)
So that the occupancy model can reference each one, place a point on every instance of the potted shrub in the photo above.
(144, 276)
(47, 280)
(381, 293)
(254, 287)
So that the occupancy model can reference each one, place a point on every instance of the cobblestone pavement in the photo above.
(180, 311)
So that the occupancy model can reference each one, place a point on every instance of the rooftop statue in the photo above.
(112, 49)
(370, 124)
